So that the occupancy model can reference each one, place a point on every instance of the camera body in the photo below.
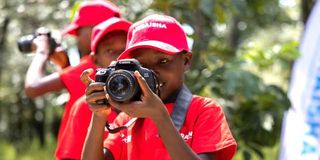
(25, 43)
(121, 84)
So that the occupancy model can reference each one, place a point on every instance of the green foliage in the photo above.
(254, 109)
(265, 57)
(7, 151)
(74, 10)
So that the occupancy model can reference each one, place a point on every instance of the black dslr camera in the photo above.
(25, 42)
(121, 84)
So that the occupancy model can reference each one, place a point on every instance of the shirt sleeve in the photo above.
(212, 133)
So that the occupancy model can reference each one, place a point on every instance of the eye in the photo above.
(108, 51)
(163, 61)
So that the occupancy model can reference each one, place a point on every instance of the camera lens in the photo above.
(121, 85)
(25, 43)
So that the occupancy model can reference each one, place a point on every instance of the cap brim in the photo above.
(156, 45)
(70, 30)
(120, 25)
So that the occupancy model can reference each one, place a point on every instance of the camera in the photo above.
(58, 54)
(121, 84)
(25, 43)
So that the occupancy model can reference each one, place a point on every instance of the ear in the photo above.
(187, 57)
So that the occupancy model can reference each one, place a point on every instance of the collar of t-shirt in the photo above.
(169, 107)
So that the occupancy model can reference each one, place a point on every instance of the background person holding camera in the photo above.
(57, 54)
(170, 124)
(90, 13)
(108, 41)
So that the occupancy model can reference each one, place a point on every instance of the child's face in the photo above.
(168, 68)
(83, 37)
(110, 47)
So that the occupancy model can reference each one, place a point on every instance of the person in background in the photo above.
(89, 14)
(172, 125)
(107, 42)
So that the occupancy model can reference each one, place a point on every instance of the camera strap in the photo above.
(181, 106)
(111, 129)
(178, 114)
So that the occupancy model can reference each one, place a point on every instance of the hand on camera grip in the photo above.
(60, 57)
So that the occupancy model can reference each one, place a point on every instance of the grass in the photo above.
(27, 150)
(269, 154)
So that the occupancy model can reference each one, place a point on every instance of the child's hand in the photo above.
(95, 92)
(150, 105)
(41, 44)
(85, 77)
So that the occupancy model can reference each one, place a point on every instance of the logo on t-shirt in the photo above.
(187, 136)
(127, 139)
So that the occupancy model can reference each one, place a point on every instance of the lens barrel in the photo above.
(25, 43)
(122, 85)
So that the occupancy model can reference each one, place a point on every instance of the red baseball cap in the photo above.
(102, 29)
(159, 32)
(91, 13)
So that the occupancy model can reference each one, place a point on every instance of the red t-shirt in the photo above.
(205, 129)
(71, 79)
(73, 137)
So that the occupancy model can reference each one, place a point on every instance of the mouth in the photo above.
(160, 88)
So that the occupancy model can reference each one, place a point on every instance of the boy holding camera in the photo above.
(172, 125)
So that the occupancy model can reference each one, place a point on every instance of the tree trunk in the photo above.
(203, 34)
(3, 35)
(234, 33)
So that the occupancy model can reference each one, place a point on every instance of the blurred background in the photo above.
(243, 55)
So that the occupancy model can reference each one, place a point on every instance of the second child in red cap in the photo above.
(172, 125)
(108, 41)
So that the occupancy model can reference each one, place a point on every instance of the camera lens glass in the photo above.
(121, 85)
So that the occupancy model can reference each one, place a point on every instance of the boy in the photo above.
(160, 44)
(90, 14)
(107, 42)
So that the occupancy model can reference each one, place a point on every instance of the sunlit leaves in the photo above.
(265, 57)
